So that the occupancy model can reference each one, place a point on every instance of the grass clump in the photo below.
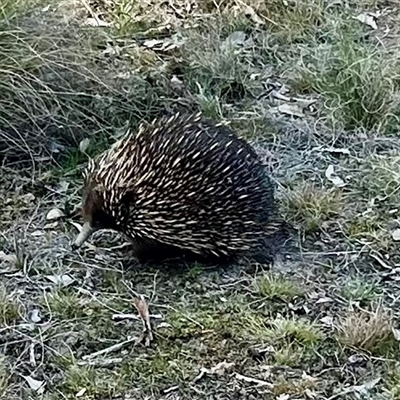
(9, 309)
(276, 287)
(310, 207)
(360, 290)
(59, 86)
(356, 82)
(300, 331)
(92, 381)
(65, 304)
(380, 179)
(369, 331)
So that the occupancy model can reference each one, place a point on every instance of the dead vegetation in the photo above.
(315, 86)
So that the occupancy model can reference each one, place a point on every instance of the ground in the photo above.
(314, 86)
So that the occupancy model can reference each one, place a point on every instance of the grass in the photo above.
(311, 207)
(9, 309)
(272, 287)
(369, 331)
(359, 290)
(294, 330)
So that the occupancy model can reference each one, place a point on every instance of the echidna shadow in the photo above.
(187, 189)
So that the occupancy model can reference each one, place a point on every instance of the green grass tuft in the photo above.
(9, 309)
(273, 287)
(310, 207)
(356, 82)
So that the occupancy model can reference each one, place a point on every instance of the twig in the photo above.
(101, 363)
(133, 316)
(254, 380)
(91, 12)
(110, 349)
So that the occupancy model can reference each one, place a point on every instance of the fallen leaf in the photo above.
(96, 22)
(53, 214)
(34, 316)
(143, 310)
(77, 225)
(221, 368)
(323, 300)
(11, 258)
(51, 225)
(364, 388)
(35, 384)
(235, 38)
(335, 150)
(81, 392)
(63, 280)
(367, 19)
(396, 334)
(396, 235)
(162, 45)
(355, 358)
(283, 396)
(41, 233)
(28, 198)
(328, 320)
(63, 186)
(250, 13)
(291, 109)
(336, 180)
(84, 144)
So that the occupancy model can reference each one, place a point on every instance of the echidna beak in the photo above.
(84, 234)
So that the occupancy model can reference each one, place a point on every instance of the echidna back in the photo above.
(190, 184)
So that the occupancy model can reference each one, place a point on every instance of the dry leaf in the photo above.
(83, 145)
(283, 397)
(162, 45)
(323, 300)
(63, 280)
(144, 314)
(41, 233)
(51, 225)
(28, 198)
(291, 109)
(250, 13)
(37, 386)
(396, 334)
(220, 369)
(81, 392)
(235, 38)
(11, 258)
(53, 214)
(96, 22)
(363, 389)
(396, 235)
(367, 19)
(34, 316)
(328, 321)
(76, 225)
(355, 358)
(330, 174)
(335, 150)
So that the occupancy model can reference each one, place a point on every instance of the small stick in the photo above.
(254, 380)
(110, 349)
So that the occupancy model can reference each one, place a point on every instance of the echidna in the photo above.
(181, 185)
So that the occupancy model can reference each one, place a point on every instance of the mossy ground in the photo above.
(314, 89)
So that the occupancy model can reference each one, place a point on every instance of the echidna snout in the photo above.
(84, 235)
(94, 216)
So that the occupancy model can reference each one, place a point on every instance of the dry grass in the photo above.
(369, 331)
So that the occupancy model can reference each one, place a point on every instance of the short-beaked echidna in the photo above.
(181, 185)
